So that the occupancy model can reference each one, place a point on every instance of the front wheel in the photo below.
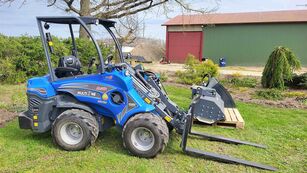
(145, 135)
(75, 130)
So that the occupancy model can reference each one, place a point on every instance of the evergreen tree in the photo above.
(280, 66)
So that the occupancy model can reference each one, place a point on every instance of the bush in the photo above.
(243, 82)
(270, 94)
(23, 57)
(236, 75)
(298, 81)
(163, 77)
(280, 66)
(9, 73)
(195, 70)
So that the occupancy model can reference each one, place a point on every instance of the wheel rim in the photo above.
(71, 133)
(142, 139)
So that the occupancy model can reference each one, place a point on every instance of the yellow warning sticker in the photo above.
(147, 100)
(168, 118)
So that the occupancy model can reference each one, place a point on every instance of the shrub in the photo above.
(27, 60)
(163, 77)
(190, 62)
(280, 66)
(23, 57)
(298, 81)
(270, 94)
(9, 46)
(195, 71)
(9, 73)
(236, 75)
(243, 82)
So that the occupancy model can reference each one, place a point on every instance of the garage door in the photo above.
(180, 44)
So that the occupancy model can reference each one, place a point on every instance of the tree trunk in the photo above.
(84, 11)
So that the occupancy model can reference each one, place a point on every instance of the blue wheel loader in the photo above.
(76, 103)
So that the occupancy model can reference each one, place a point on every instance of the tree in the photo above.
(129, 28)
(117, 9)
(279, 68)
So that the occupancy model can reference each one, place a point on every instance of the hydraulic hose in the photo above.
(139, 75)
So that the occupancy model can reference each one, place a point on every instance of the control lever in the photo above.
(90, 64)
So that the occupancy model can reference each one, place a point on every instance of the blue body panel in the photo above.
(95, 91)
(41, 86)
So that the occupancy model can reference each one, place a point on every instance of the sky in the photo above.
(16, 20)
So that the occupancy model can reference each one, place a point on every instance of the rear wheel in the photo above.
(74, 130)
(145, 135)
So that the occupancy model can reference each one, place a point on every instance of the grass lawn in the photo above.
(284, 131)
(13, 97)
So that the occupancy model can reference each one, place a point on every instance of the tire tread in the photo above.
(156, 121)
(89, 120)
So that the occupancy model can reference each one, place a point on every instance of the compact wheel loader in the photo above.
(76, 105)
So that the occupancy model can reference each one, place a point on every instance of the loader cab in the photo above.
(64, 58)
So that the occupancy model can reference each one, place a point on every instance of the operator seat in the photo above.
(68, 66)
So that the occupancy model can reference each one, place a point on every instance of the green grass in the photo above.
(284, 131)
(13, 97)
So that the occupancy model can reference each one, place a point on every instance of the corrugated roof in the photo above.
(236, 18)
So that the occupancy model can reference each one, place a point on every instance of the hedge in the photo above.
(23, 57)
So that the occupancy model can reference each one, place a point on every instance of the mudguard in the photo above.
(65, 101)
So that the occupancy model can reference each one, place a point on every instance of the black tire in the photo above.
(155, 124)
(84, 121)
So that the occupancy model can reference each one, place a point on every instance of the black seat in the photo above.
(68, 66)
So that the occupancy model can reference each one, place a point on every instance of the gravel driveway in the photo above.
(245, 71)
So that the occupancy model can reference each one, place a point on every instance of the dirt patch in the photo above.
(167, 68)
(6, 116)
(247, 97)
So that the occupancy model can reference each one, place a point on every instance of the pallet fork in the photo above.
(213, 156)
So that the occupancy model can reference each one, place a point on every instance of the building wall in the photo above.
(180, 44)
(251, 44)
